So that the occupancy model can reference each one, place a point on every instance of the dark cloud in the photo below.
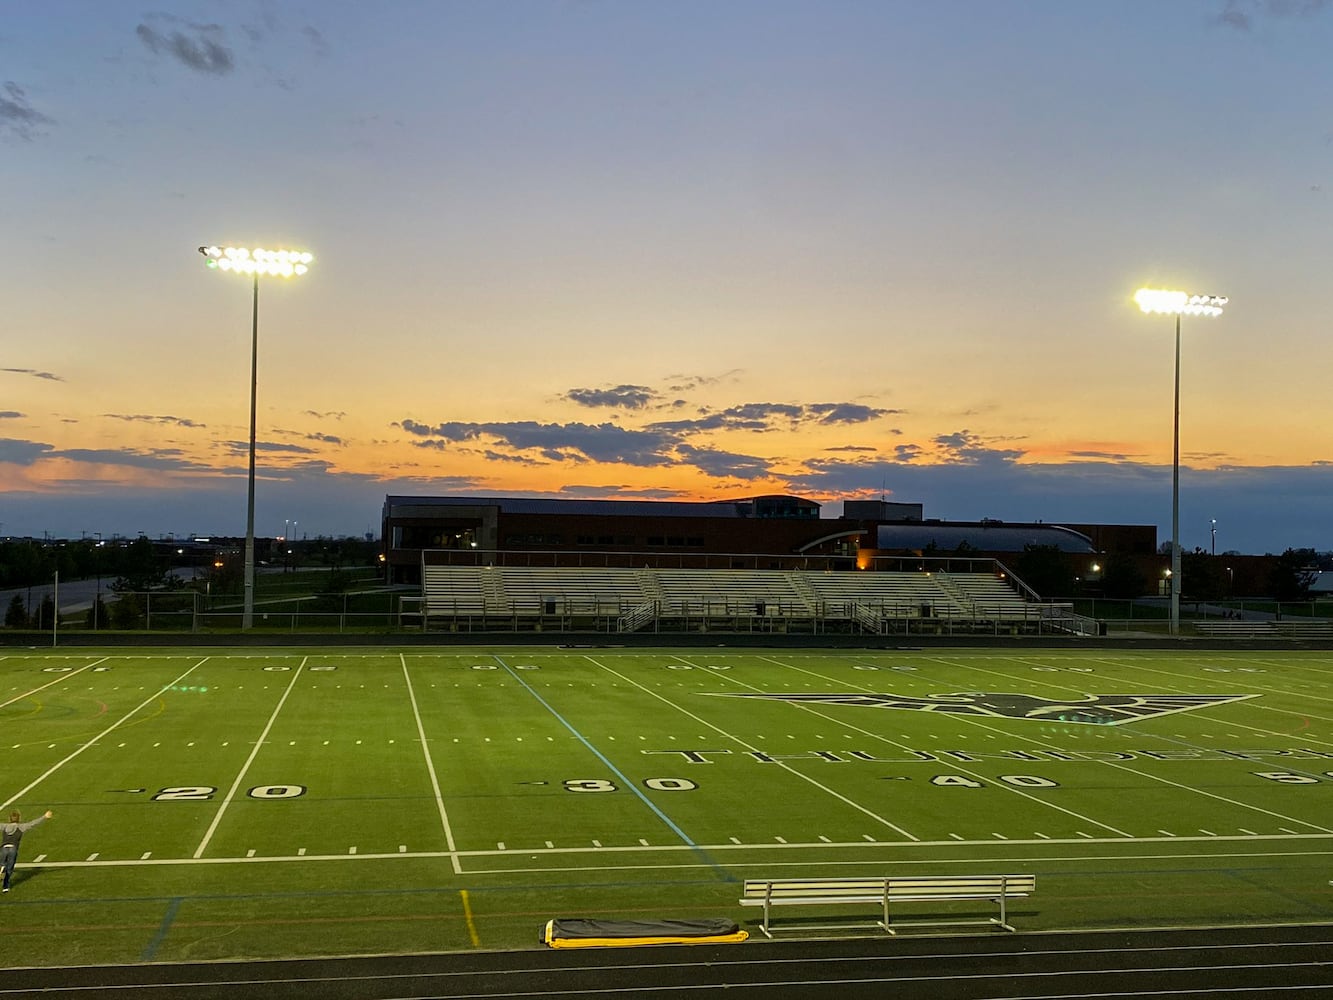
(608, 492)
(17, 116)
(330, 415)
(964, 447)
(854, 448)
(712, 422)
(34, 373)
(165, 459)
(557, 442)
(19, 452)
(686, 383)
(1241, 14)
(1263, 509)
(153, 419)
(495, 456)
(200, 47)
(847, 413)
(725, 464)
(316, 40)
(269, 447)
(626, 397)
(1106, 456)
(10, 414)
(769, 416)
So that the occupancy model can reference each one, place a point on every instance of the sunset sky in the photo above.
(692, 249)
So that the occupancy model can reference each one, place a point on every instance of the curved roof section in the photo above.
(984, 537)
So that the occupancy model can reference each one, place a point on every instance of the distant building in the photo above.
(762, 532)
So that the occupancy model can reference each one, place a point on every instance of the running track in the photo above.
(1199, 964)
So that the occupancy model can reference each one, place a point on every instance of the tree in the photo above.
(1046, 570)
(139, 568)
(16, 616)
(1202, 576)
(1122, 579)
(331, 594)
(127, 612)
(1292, 575)
(97, 614)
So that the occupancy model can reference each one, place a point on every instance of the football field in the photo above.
(224, 803)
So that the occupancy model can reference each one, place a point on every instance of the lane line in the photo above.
(627, 782)
(956, 765)
(130, 714)
(430, 768)
(754, 749)
(259, 743)
(472, 934)
(58, 680)
(1147, 774)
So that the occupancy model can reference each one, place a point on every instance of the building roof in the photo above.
(983, 536)
(599, 508)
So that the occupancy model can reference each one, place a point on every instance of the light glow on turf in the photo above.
(243, 260)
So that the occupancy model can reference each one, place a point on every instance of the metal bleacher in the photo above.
(658, 599)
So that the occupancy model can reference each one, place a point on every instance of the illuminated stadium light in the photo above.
(254, 263)
(1155, 300)
(1174, 303)
(242, 260)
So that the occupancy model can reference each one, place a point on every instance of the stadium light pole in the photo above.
(1154, 300)
(282, 264)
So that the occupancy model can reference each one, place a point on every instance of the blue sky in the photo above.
(683, 250)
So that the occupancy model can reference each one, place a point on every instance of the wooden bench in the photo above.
(997, 889)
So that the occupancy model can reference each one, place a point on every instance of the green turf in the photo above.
(225, 803)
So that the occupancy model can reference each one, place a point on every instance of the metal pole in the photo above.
(1175, 497)
(55, 618)
(247, 618)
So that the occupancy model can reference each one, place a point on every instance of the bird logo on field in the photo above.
(1090, 709)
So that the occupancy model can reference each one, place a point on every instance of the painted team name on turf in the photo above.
(974, 756)
(1090, 710)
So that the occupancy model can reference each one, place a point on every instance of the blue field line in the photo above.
(626, 781)
(168, 918)
(1240, 875)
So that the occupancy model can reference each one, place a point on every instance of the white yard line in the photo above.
(731, 736)
(1156, 777)
(913, 858)
(956, 765)
(62, 677)
(259, 743)
(143, 704)
(1216, 681)
(430, 767)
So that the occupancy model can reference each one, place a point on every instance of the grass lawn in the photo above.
(224, 803)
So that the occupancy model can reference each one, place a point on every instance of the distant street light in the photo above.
(1152, 300)
(1214, 530)
(281, 264)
